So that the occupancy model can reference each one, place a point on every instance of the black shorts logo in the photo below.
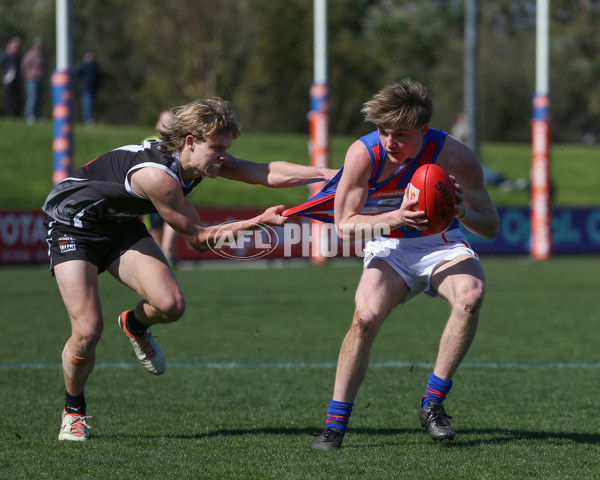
(66, 244)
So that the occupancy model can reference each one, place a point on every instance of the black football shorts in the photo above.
(100, 248)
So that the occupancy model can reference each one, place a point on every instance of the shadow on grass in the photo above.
(234, 432)
(493, 436)
(501, 436)
(464, 438)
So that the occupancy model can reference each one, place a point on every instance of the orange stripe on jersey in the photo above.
(377, 158)
(91, 161)
(428, 153)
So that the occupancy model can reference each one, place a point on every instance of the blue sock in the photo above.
(436, 390)
(338, 415)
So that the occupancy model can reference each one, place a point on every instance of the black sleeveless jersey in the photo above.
(98, 196)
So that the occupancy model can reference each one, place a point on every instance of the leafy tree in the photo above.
(275, 91)
(259, 55)
(422, 41)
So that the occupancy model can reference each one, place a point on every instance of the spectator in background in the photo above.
(33, 69)
(460, 131)
(88, 80)
(590, 137)
(10, 66)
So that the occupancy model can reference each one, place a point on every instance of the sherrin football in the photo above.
(434, 191)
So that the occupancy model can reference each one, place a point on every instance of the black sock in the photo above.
(75, 404)
(135, 327)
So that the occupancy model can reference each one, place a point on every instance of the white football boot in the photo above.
(73, 427)
(146, 349)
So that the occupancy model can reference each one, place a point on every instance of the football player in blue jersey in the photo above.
(407, 261)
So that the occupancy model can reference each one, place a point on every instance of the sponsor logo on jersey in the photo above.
(395, 193)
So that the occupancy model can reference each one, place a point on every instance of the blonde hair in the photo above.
(204, 120)
(406, 103)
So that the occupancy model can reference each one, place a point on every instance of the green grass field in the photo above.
(251, 365)
(250, 373)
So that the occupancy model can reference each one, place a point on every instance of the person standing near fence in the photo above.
(34, 74)
(88, 81)
(10, 65)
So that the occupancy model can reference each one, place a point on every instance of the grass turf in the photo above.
(251, 365)
(250, 373)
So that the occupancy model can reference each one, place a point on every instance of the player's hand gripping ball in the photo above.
(434, 191)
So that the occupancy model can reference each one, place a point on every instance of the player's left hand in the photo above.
(410, 217)
(272, 216)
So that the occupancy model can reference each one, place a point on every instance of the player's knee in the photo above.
(84, 340)
(470, 298)
(365, 321)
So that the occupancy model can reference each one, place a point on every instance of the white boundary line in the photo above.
(283, 365)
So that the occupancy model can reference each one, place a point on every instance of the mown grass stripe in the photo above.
(283, 365)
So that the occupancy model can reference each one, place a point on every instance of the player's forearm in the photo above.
(276, 174)
(218, 236)
(484, 223)
(365, 227)
(284, 174)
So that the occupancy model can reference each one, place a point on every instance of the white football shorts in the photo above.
(414, 259)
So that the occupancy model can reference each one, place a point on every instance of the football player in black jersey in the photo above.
(94, 225)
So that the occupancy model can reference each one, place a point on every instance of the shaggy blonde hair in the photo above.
(406, 103)
(204, 119)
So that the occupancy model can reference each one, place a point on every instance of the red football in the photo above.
(434, 191)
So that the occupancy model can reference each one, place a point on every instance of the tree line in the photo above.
(258, 54)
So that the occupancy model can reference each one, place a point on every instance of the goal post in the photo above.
(62, 94)
(319, 122)
(541, 202)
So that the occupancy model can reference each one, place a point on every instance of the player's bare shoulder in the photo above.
(357, 164)
(357, 152)
(151, 182)
(460, 161)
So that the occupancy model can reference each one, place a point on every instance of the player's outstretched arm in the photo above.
(167, 196)
(205, 238)
(186, 222)
(274, 174)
